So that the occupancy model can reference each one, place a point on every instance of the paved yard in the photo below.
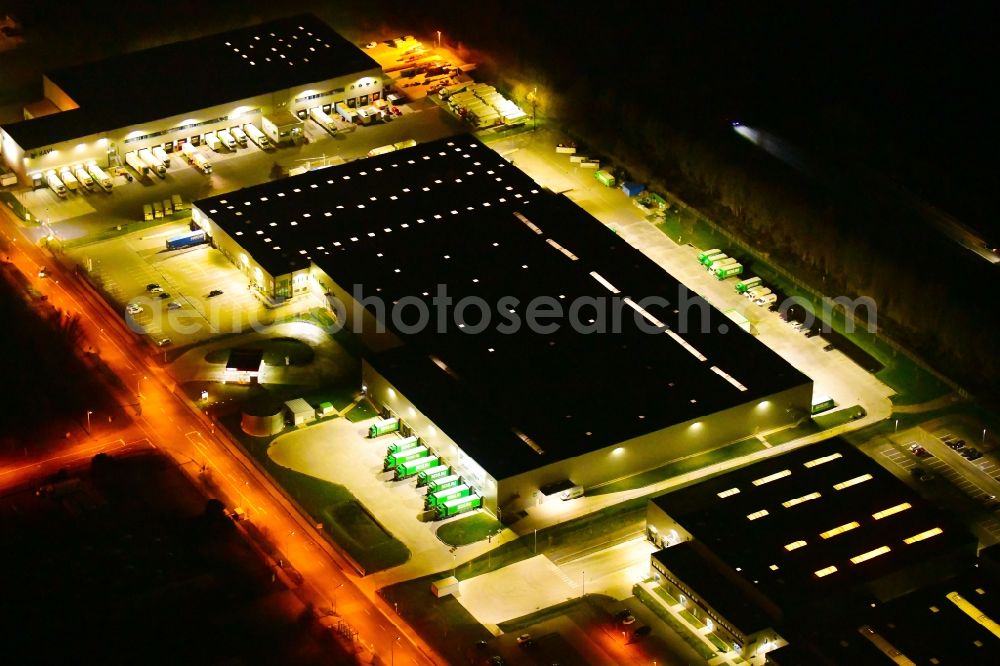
(519, 589)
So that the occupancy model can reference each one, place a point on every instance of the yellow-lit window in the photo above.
(728, 493)
(772, 477)
(757, 514)
(846, 527)
(826, 572)
(824, 459)
(864, 557)
(923, 535)
(793, 545)
(852, 482)
(799, 500)
(885, 513)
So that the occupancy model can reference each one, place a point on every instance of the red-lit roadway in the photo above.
(170, 423)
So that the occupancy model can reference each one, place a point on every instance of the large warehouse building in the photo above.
(180, 92)
(513, 411)
(798, 547)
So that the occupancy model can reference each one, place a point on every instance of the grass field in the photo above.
(468, 530)
(344, 518)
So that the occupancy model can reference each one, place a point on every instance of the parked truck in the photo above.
(138, 165)
(239, 136)
(56, 185)
(213, 141)
(703, 257)
(160, 154)
(69, 180)
(227, 139)
(394, 459)
(322, 119)
(757, 292)
(458, 505)
(81, 175)
(155, 165)
(710, 262)
(407, 469)
(190, 239)
(383, 427)
(766, 299)
(402, 444)
(201, 163)
(728, 271)
(99, 176)
(426, 476)
(258, 137)
(745, 285)
(442, 496)
(443, 483)
(604, 178)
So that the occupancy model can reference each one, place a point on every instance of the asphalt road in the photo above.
(176, 428)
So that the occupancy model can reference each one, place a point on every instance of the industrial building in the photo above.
(795, 545)
(268, 75)
(512, 411)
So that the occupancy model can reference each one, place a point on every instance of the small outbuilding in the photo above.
(299, 411)
(243, 366)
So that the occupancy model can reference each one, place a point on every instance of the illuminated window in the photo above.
(757, 514)
(729, 493)
(799, 500)
(824, 459)
(846, 527)
(773, 567)
(826, 572)
(885, 513)
(773, 477)
(793, 545)
(923, 535)
(864, 557)
(852, 482)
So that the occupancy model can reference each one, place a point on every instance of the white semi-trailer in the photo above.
(239, 136)
(98, 174)
(257, 136)
(213, 141)
(69, 180)
(140, 167)
(227, 139)
(161, 155)
(154, 164)
(200, 163)
(56, 185)
(81, 175)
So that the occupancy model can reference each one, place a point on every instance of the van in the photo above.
(571, 493)
(767, 299)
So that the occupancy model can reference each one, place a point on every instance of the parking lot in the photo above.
(84, 213)
(124, 266)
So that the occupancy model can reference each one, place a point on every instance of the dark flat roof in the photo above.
(687, 563)
(173, 79)
(247, 360)
(923, 625)
(453, 212)
(723, 524)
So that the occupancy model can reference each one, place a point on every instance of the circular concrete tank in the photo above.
(263, 418)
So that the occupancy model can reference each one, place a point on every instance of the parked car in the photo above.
(43, 272)
(133, 309)
(151, 286)
(163, 295)
(173, 305)
(525, 640)
(214, 293)
(156, 289)
(163, 342)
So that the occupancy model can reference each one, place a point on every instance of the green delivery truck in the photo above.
(453, 507)
(402, 444)
(442, 496)
(703, 257)
(604, 178)
(743, 286)
(383, 427)
(411, 467)
(728, 271)
(443, 483)
(431, 473)
(394, 459)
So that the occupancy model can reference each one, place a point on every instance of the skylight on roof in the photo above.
(820, 461)
(757, 514)
(799, 500)
(852, 482)
(923, 535)
(846, 527)
(772, 477)
(826, 572)
(885, 513)
(864, 557)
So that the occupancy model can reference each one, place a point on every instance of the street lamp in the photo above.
(439, 38)
(88, 420)
(335, 597)
(583, 584)
(534, 101)
(138, 385)
(392, 652)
